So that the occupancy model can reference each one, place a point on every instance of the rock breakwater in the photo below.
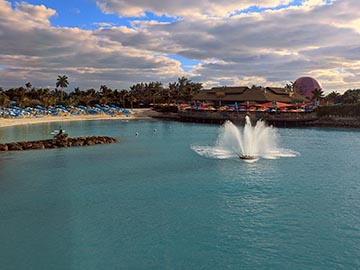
(57, 143)
(337, 122)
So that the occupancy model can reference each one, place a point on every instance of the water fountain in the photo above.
(259, 141)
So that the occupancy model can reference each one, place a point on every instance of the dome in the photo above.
(305, 85)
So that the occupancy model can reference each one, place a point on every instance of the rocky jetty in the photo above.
(337, 122)
(57, 143)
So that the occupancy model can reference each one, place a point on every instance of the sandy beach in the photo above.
(136, 114)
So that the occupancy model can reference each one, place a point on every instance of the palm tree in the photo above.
(90, 97)
(19, 95)
(351, 96)
(334, 97)
(62, 82)
(122, 96)
(184, 89)
(317, 93)
(28, 85)
(47, 98)
(156, 91)
(174, 92)
(166, 95)
(132, 98)
(4, 99)
(290, 86)
(138, 92)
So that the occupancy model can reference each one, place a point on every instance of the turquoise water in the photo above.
(151, 202)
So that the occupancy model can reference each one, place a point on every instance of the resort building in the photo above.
(225, 95)
(275, 105)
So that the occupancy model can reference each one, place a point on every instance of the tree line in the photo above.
(139, 95)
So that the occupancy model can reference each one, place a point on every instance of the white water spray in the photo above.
(256, 142)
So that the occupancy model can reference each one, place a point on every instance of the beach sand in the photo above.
(136, 114)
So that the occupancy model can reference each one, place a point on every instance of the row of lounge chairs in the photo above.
(60, 110)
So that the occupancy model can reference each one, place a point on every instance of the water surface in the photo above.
(151, 202)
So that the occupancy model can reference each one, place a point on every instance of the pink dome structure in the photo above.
(305, 85)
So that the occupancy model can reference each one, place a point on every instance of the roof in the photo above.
(244, 93)
(230, 90)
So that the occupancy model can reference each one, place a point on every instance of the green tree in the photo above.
(138, 94)
(351, 96)
(46, 97)
(156, 88)
(290, 86)
(105, 95)
(90, 97)
(317, 94)
(132, 98)
(62, 82)
(28, 85)
(18, 95)
(4, 99)
(184, 89)
(334, 97)
(122, 97)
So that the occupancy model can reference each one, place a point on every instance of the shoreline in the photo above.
(148, 113)
(136, 114)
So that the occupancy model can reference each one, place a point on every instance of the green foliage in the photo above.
(147, 94)
(62, 81)
(340, 110)
(151, 94)
(139, 95)
(351, 96)
(317, 94)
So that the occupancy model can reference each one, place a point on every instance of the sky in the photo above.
(119, 43)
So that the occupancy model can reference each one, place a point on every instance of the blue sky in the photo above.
(79, 13)
(84, 13)
(120, 43)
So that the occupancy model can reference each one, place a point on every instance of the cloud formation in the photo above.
(34, 51)
(268, 45)
(184, 8)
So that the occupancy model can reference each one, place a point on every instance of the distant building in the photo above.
(243, 94)
(305, 85)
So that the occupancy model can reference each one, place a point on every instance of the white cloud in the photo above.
(34, 16)
(32, 50)
(278, 45)
(184, 8)
(263, 48)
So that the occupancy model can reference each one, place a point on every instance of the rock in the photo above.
(77, 142)
(14, 146)
(26, 145)
(90, 141)
(61, 143)
(4, 147)
(38, 145)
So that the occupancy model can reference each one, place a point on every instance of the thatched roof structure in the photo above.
(245, 94)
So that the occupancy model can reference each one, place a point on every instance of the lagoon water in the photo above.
(152, 202)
